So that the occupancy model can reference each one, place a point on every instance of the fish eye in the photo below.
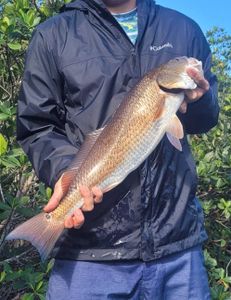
(48, 216)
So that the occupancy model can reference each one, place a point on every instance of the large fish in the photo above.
(109, 154)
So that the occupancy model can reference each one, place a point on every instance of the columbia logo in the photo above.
(158, 48)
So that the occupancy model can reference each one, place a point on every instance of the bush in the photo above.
(22, 276)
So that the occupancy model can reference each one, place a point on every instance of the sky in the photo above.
(207, 13)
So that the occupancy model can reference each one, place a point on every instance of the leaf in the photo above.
(223, 243)
(38, 286)
(50, 265)
(3, 145)
(30, 17)
(209, 261)
(209, 156)
(28, 296)
(4, 117)
(2, 276)
(7, 267)
(41, 297)
(19, 285)
(227, 279)
(221, 206)
(4, 215)
(220, 183)
(4, 206)
(5, 108)
(24, 200)
(227, 215)
(48, 192)
(14, 160)
(15, 46)
(14, 275)
(17, 152)
(36, 21)
(6, 21)
(25, 211)
(10, 162)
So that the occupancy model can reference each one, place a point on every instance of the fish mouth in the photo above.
(197, 64)
(185, 83)
(171, 90)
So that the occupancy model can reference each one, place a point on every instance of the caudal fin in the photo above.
(42, 231)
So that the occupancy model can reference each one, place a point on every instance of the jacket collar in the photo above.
(98, 9)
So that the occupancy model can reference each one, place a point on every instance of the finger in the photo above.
(68, 222)
(198, 78)
(183, 107)
(98, 194)
(194, 95)
(54, 201)
(78, 218)
(87, 195)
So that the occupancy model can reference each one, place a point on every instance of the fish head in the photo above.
(173, 74)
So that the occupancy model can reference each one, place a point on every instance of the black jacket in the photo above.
(80, 64)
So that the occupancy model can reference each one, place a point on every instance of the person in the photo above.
(143, 241)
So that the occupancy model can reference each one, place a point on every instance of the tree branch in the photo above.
(13, 258)
(38, 9)
(1, 194)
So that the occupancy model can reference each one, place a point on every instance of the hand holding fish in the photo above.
(198, 92)
(90, 197)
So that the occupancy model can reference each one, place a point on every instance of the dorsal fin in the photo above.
(81, 155)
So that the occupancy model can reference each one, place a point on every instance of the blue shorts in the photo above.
(180, 276)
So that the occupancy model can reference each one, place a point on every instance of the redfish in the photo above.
(109, 154)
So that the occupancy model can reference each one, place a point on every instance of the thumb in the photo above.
(54, 200)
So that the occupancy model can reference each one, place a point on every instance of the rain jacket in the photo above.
(80, 65)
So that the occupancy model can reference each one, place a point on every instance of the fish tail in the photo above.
(42, 231)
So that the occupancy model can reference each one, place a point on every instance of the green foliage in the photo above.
(213, 155)
(26, 278)
(22, 275)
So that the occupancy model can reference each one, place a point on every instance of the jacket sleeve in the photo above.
(202, 115)
(41, 114)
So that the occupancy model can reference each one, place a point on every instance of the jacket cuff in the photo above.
(202, 114)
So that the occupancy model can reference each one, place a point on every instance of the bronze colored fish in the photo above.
(109, 154)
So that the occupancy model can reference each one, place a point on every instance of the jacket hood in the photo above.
(90, 4)
(84, 5)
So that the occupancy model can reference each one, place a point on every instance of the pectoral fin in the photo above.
(175, 132)
(174, 141)
(175, 128)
